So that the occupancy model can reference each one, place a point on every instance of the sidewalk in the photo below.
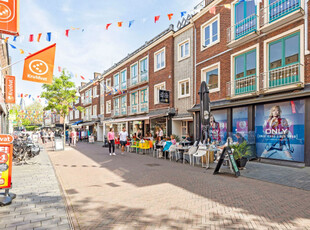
(39, 203)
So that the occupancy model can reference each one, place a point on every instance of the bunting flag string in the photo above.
(39, 37)
(67, 33)
(170, 16)
(156, 18)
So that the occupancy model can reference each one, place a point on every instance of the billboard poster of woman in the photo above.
(280, 130)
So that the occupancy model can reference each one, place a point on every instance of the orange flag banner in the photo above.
(39, 37)
(9, 17)
(119, 24)
(39, 66)
(170, 16)
(10, 89)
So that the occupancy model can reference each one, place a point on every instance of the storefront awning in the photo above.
(182, 119)
(77, 122)
(87, 123)
(127, 119)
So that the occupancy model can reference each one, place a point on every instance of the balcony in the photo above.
(279, 13)
(243, 30)
(241, 87)
(288, 77)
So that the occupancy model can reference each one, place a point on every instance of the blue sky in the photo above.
(95, 49)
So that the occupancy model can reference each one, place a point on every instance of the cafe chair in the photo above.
(200, 153)
(135, 146)
(144, 146)
(173, 149)
(190, 153)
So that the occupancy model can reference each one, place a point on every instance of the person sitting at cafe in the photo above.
(173, 141)
(139, 135)
(188, 138)
(134, 136)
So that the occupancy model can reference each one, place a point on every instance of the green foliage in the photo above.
(36, 105)
(241, 150)
(60, 95)
(31, 127)
(177, 138)
(26, 122)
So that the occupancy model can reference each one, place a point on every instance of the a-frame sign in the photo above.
(227, 151)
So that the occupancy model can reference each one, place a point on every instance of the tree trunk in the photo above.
(64, 134)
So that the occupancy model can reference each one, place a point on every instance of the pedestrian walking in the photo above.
(123, 138)
(73, 137)
(111, 140)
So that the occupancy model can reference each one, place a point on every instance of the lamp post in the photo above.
(204, 121)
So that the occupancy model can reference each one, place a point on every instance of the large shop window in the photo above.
(245, 73)
(240, 124)
(284, 61)
(134, 74)
(218, 126)
(124, 79)
(280, 130)
(280, 8)
(245, 18)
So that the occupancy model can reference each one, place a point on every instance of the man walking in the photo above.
(123, 138)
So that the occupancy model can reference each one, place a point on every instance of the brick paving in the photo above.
(134, 191)
(39, 203)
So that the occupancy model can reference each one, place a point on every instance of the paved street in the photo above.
(39, 203)
(140, 192)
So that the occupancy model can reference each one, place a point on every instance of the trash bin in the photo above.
(59, 144)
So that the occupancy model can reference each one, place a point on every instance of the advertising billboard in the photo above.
(280, 130)
(218, 126)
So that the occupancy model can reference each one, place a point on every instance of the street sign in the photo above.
(164, 96)
(6, 151)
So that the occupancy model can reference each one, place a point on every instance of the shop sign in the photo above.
(6, 151)
(10, 89)
(9, 17)
(6, 139)
(164, 96)
(280, 130)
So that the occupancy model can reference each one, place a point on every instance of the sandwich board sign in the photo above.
(227, 152)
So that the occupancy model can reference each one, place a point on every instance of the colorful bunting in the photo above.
(59, 69)
(107, 26)
(183, 13)
(39, 37)
(21, 51)
(82, 77)
(156, 18)
(14, 39)
(49, 36)
(119, 24)
(131, 22)
(6, 39)
(170, 16)
(31, 38)
(212, 10)
(12, 46)
(67, 33)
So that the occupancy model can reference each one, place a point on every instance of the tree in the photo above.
(60, 95)
(35, 106)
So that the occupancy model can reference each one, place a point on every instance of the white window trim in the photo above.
(120, 76)
(94, 106)
(95, 89)
(118, 79)
(137, 71)
(107, 107)
(202, 32)
(179, 88)
(117, 98)
(148, 96)
(179, 49)
(156, 100)
(232, 64)
(155, 59)
(209, 68)
(76, 114)
(106, 83)
(148, 67)
(299, 29)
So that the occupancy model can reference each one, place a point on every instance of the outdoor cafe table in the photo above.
(183, 149)
(208, 151)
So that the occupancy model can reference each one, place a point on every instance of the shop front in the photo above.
(183, 125)
(157, 124)
(276, 129)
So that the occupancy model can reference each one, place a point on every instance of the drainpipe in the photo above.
(306, 28)
(195, 60)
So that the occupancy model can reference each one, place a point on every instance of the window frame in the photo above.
(202, 32)
(76, 114)
(209, 68)
(148, 69)
(155, 59)
(124, 70)
(110, 84)
(180, 58)
(180, 89)
(136, 63)
(108, 107)
(245, 64)
(94, 108)
(156, 95)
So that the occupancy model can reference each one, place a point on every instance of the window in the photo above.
(144, 69)
(184, 88)
(108, 84)
(184, 128)
(184, 50)
(144, 98)
(95, 110)
(77, 114)
(211, 76)
(101, 90)
(124, 79)
(108, 106)
(88, 113)
(160, 60)
(82, 98)
(134, 102)
(86, 97)
(210, 32)
(245, 18)
(156, 91)
(116, 106)
(134, 74)
(284, 58)
(116, 81)
(245, 72)
(95, 91)
(77, 101)
(124, 105)
(82, 115)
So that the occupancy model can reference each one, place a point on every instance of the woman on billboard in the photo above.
(277, 130)
(214, 130)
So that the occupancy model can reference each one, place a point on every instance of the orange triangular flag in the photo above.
(107, 26)
(39, 37)
(21, 51)
(38, 67)
(156, 18)
(6, 39)
(119, 24)
(170, 16)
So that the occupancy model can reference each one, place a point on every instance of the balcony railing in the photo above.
(280, 77)
(133, 81)
(277, 10)
(144, 76)
(242, 86)
(144, 107)
(242, 28)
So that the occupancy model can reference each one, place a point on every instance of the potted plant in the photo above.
(240, 152)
